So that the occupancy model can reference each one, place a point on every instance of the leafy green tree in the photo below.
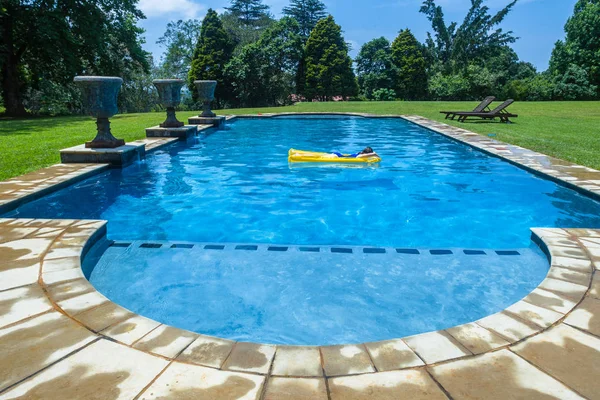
(328, 67)
(582, 44)
(476, 39)
(250, 13)
(213, 51)
(574, 84)
(263, 73)
(56, 40)
(307, 13)
(374, 67)
(409, 60)
(179, 40)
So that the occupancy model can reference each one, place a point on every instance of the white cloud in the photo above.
(173, 8)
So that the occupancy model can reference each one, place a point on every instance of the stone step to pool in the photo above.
(251, 247)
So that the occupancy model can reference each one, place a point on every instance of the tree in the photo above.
(374, 67)
(263, 73)
(307, 13)
(476, 39)
(179, 39)
(251, 13)
(328, 67)
(409, 60)
(56, 40)
(213, 51)
(574, 84)
(582, 44)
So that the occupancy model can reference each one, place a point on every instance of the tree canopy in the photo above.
(476, 39)
(328, 66)
(581, 47)
(263, 73)
(249, 12)
(409, 60)
(374, 67)
(179, 39)
(307, 13)
(213, 51)
(52, 41)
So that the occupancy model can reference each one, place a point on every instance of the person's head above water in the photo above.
(367, 150)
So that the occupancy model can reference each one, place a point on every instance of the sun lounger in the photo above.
(498, 112)
(483, 106)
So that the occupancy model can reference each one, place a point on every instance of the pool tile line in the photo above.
(281, 248)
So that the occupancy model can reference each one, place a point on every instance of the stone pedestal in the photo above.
(218, 122)
(117, 157)
(183, 133)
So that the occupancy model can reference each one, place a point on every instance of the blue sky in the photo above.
(538, 23)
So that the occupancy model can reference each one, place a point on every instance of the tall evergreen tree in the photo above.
(307, 13)
(249, 12)
(52, 41)
(409, 60)
(328, 66)
(213, 51)
(582, 44)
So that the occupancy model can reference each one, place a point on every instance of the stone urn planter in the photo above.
(206, 94)
(100, 101)
(169, 92)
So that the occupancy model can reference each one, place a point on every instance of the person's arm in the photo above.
(367, 155)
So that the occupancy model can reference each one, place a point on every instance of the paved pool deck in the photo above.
(61, 339)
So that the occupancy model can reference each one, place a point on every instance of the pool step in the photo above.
(244, 247)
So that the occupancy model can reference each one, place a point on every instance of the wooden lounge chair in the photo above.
(498, 112)
(483, 106)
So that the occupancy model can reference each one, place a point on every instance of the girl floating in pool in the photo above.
(367, 152)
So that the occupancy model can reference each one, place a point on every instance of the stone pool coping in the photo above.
(62, 339)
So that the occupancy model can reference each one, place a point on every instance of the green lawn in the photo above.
(567, 130)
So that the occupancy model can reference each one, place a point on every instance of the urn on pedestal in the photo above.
(206, 94)
(169, 92)
(100, 101)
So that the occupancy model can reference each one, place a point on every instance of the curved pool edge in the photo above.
(566, 301)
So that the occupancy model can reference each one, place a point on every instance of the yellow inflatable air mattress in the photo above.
(313, 156)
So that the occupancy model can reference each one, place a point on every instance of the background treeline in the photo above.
(261, 61)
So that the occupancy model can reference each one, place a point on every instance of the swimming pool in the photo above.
(237, 186)
(196, 220)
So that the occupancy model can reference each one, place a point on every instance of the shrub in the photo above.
(384, 95)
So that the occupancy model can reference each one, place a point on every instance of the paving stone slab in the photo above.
(346, 360)
(394, 385)
(586, 316)
(508, 326)
(131, 330)
(297, 361)
(21, 303)
(166, 341)
(184, 381)
(279, 388)
(435, 347)
(569, 355)
(103, 370)
(30, 346)
(500, 375)
(250, 357)
(393, 355)
(476, 339)
(208, 351)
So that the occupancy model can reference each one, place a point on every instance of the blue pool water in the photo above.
(313, 298)
(237, 186)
